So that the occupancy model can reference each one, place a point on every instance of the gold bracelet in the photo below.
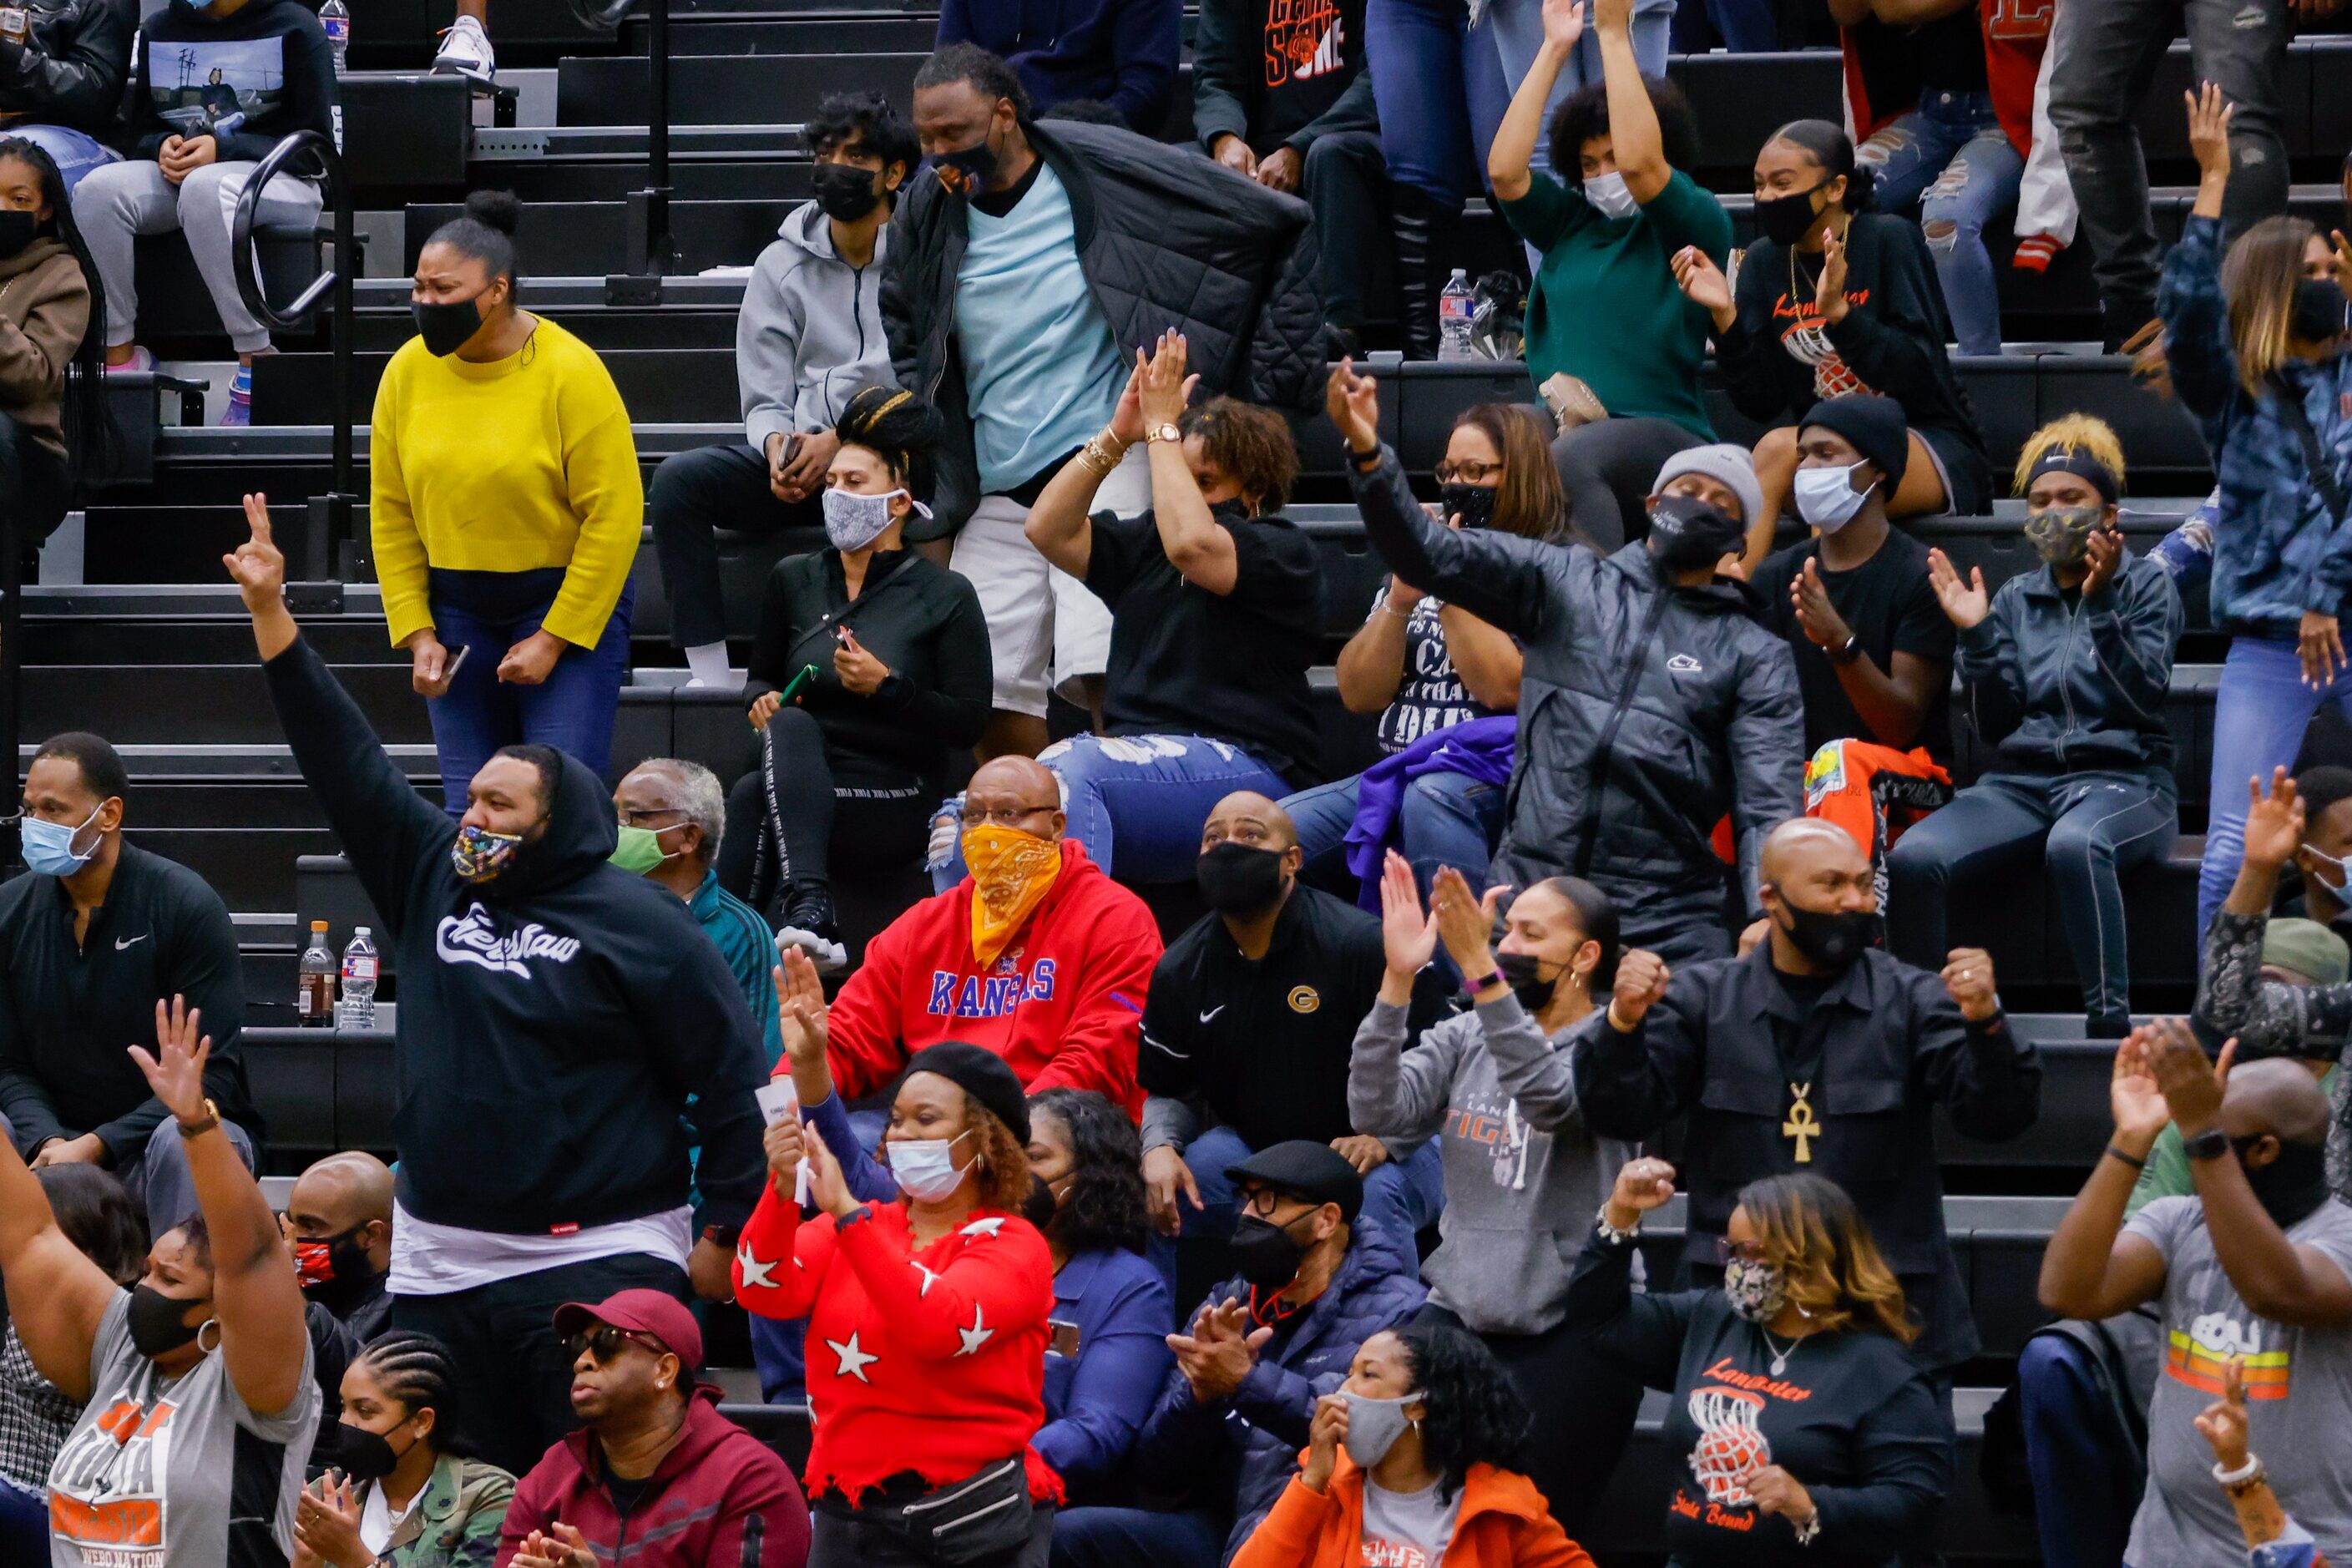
(1100, 462)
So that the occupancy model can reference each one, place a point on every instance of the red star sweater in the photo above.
(931, 1360)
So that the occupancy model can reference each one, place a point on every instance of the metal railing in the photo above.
(331, 514)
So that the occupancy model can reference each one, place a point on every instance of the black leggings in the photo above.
(873, 828)
(35, 483)
(1608, 468)
(1584, 1409)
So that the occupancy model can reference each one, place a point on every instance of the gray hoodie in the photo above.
(1523, 1178)
(809, 337)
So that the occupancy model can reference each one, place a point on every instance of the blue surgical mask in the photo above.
(1826, 496)
(853, 522)
(1611, 194)
(49, 846)
(925, 1168)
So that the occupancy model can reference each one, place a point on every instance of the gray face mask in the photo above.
(1374, 1426)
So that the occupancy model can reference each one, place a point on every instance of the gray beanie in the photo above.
(1726, 463)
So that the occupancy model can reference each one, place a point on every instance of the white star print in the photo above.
(988, 1226)
(755, 1273)
(929, 1279)
(854, 1361)
(975, 1336)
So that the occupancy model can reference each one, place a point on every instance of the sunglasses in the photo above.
(604, 1342)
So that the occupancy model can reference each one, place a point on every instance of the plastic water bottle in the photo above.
(316, 1003)
(335, 21)
(1454, 307)
(359, 981)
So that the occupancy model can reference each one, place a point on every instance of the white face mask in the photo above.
(1826, 496)
(1611, 193)
(853, 522)
(2343, 870)
(925, 1168)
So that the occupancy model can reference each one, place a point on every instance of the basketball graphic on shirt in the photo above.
(1729, 1446)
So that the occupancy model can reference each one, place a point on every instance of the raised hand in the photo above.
(1408, 936)
(1564, 24)
(176, 1073)
(1354, 404)
(2209, 131)
(2275, 822)
(1641, 1186)
(1967, 975)
(1165, 388)
(1466, 922)
(784, 1147)
(2139, 1109)
(1828, 296)
(800, 1010)
(1126, 418)
(2104, 552)
(2223, 1423)
(828, 1188)
(1965, 603)
(1702, 281)
(258, 566)
(2192, 1086)
(1642, 978)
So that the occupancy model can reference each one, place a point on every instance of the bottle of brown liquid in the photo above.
(316, 1002)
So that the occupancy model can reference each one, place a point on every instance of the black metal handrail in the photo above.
(330, 515)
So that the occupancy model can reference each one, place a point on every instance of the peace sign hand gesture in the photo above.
(257, 565)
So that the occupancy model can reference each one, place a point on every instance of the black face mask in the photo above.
(975, 165)
(1784, 219)
(349, 1274)
(1523, 972)
(18, 230)
(2317, 314)
(1475, 504)
(844, 192)
(447, 327)
(1832, 939)
(1239, 879)
(2291, 1186)
(158, 1322)
(1686, 533)
(1266, 1255)
(1040, 1207)
(365, 1456)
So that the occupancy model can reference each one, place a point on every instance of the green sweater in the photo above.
(2166, 1174)
(1604, 306)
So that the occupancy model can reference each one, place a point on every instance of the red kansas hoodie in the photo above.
(721, 1500)
(1062, 1004)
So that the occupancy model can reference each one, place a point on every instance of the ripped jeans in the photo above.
(1951, 156)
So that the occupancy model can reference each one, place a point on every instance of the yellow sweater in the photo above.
(513, 466)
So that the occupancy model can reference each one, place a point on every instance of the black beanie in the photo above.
(1873, 426)
(980, 1073)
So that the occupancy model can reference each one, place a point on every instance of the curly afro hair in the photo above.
(1584, 114)
(1474, 1414)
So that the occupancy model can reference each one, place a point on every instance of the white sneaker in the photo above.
(466, 51)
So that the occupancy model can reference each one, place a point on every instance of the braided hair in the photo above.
(416, 1369)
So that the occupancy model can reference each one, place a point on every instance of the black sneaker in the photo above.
(807, 924)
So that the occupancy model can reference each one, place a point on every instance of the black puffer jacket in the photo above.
(74, 73)
(1166, 237)
(1646, 714)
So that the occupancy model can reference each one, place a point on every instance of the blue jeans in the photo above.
(1142, 797)
(1440, 91)
(1136, 1538)
(1745, 26)
(2258, 716)
(1402, 1195)
(571, 710)
(2091, 827)
(24, 1524)
(1447, 819)
(1517, 27)
(74, 153)
(2086, 1479)
(1952, 157)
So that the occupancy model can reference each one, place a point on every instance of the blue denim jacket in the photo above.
(1103, 1364)
(2276, 552)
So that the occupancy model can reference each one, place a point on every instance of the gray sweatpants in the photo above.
(159, 1178)
(115, 205)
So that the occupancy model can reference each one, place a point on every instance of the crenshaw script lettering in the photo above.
(473, 938)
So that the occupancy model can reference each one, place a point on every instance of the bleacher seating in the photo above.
(135, 632)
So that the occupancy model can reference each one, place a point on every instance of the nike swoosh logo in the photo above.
(120, 943)
(1212, 1012)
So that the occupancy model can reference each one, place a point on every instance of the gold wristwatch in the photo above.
(198, 1129)
(1163, 433)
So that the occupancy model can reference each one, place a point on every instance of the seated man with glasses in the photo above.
(654, 1466)
(1036, 954)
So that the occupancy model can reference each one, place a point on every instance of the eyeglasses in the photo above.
(604, 1342)
(635, 814)
(1004, 815)
(1263, 1201)
(1468, 472)
(1726, 1249)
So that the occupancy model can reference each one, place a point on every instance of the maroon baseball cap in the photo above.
(654, 1313)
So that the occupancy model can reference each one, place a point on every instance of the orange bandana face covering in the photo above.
(1011, 872)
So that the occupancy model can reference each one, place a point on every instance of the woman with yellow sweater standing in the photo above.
(506, 508)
